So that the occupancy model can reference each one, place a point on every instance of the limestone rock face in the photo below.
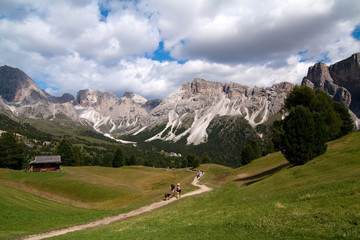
(319, 77)
(22, 96)
(17, 87)
(340, 80)
(196, 104)
(346, 73)
(107, 112)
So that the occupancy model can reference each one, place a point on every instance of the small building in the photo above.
(45, 164)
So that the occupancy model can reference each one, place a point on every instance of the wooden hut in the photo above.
(45, 164)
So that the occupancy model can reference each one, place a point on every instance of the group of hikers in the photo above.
(178, 188)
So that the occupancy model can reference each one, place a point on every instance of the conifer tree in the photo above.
(11, 151)
(205, 158)
(65, 150)
(119, 158)
(108, 159)
(304, 135)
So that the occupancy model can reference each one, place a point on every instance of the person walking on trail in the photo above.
(198, 174)
(172, 190)
(178, 190)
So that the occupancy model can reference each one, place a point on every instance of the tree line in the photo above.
(15, 154)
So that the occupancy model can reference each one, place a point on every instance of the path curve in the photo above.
(119, 217)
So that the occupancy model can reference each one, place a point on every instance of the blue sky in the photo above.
(151, 47)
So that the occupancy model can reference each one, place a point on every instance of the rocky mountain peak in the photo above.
(340, 80)
(200, 101)
(199, 85)
(95, 98)
(135, 98)
(18, 87)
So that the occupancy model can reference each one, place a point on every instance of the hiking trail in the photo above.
(119, 217)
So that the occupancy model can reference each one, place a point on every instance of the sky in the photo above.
(150, 47)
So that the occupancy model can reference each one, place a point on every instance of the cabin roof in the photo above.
(46, 159)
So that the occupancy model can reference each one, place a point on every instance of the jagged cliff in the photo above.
(108, 113)
(340, 80)
(189, 111)
(22, 96)
(185, 114)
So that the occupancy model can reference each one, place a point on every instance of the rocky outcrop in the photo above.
(23, 97)
(319, 77)
(189, 111)
(108, 113)
(17, 87)
(340, 80)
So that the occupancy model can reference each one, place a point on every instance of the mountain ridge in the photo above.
(184, 114)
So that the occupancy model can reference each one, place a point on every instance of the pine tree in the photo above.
(119, 158)
(11, 151)
(132, 160)
(336, 117)
(347, 123)
(65, 150)
(250, 152)
(108, 159)
(304, 135)
(205, 158)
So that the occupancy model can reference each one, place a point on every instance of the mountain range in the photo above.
(187, 115)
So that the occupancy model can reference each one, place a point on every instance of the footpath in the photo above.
(119, 217)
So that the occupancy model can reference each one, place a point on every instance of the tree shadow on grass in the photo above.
(260, 176)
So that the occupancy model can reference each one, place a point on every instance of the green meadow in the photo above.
(266, 199)
(38, 202)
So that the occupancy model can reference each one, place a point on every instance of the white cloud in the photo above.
(71, 46)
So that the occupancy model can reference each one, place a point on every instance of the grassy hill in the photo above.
(267, 199)
(319, 200)
(37, 202)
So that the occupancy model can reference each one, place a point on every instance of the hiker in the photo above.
(178, 190)
(198, 174)
(172, 190)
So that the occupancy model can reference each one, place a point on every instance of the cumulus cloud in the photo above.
(107, 45)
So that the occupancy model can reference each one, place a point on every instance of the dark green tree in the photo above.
(139, 161)
(304, 135)
(78, 156)
(276, 132)
(250, 152)
(246, 154)
(269, 148)
(11, 151)
(193, 160)
(205, 158)
(119, 158)
(336, 117)
(300, 95)
(324, 105)
(108, 159)
(65, 150)
(132, 160)
(185, 163)
(347, 123)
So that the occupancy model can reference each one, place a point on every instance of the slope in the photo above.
(38, 202)
(318, 200)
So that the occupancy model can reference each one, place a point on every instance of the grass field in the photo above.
(267, 199)
(78, 194)
(319, 200)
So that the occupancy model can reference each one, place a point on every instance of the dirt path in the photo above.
(119, 217)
